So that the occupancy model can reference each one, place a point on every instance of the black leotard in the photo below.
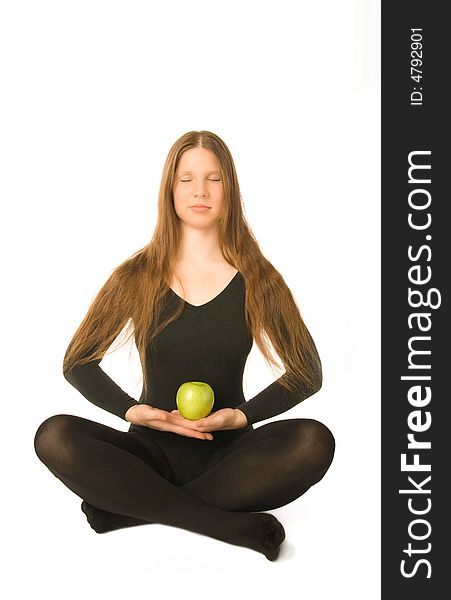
(146, 475)
(210, 343)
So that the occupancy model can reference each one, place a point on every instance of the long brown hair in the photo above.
(135, 291)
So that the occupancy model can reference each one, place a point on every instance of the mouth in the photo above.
(200, 206)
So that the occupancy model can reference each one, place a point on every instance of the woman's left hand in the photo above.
(224, 418)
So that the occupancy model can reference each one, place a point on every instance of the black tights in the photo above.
(212, 490)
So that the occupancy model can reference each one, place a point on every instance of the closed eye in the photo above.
(188, 180)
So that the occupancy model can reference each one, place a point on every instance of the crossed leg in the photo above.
(115, 472)
(267, 467)
(263, 469)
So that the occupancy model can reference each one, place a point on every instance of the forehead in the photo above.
(198, 159)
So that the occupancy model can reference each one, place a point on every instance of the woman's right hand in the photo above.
(156, 418)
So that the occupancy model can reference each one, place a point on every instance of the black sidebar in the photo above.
(416, 235)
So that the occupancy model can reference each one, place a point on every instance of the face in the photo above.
(198, 181)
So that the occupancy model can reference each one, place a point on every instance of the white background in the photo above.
(93, 96)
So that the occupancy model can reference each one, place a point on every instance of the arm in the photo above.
(276, 399)
(95, 385)
(108, 313)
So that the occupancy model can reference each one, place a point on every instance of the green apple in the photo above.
(195, 399)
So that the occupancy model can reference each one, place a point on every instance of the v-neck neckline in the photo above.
(195, 306)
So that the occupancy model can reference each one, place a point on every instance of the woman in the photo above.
(194, 298)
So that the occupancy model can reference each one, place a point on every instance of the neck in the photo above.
(199, 247)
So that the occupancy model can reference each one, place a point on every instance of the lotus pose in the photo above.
(194, 298)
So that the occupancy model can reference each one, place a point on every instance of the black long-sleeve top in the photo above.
(210, 343)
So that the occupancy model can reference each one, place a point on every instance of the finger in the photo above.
(193, 433)
(206, 424)
(191, 424)
(165, 426)
(176, 417)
